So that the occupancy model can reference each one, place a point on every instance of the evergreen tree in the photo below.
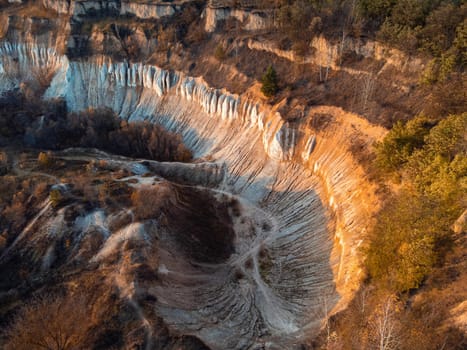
(269, 81)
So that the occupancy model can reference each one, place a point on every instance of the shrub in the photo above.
(56, 197)
(3, 163)
(439, 31)
(220, 53)
(376, 9)
(447, 97)
(148, 201)
(300, 48)
(411, 235)
(44, 160)
(40, 190)
(196, 34)
(399, 144)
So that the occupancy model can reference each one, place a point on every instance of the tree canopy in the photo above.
(413, 230)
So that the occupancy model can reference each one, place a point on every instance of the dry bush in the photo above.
(220, 52)
(15, 214)
(447, 97)
(85, 188)
(236, 208)
(196, 34)
(51, 322)
(321, 121)
(3, 157)
(165, 38)
(7, 189)
(3, 240)
(3, 163)
(301, 48)
(114, 192)
(49, 126)
(148, 202)
(37, 10)
(43, 77)
(44, 160)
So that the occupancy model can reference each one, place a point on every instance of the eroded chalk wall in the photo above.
(304, 180)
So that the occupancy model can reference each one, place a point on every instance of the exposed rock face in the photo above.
(79, 9)
(25, 63)
(327, 54)
(82, 9)
(59, 6)
(460, 225)
(50, 33)
(148, 10)
(303, 203)
(249, 20)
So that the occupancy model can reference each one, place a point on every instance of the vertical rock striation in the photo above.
(79, 9)
(304, 203)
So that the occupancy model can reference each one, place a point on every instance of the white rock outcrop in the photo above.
(148, 10)
(329, 54)
(62, 7)
(145, 10)
(249, 20)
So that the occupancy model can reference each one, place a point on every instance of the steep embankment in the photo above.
(307, 201)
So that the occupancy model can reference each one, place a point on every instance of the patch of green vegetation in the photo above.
(397, 147)
(269, 81)
(413, 230)
(56, 198)
(437, 28)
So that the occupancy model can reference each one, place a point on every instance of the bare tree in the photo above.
(326, 303)
(325, 63)
(361, 300)
(367, 88)
(385, 327)
(51, 323)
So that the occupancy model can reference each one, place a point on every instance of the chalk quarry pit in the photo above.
(302, 202)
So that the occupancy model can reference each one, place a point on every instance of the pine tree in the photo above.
(269, 81)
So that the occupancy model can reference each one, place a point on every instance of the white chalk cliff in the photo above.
(307, 200)
(149, 9)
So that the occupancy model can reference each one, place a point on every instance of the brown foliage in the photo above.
(50, 126)
(149, 201)
(3, 163)
(44, 160)
(448, 97)
(40, 190)
(51, 322)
